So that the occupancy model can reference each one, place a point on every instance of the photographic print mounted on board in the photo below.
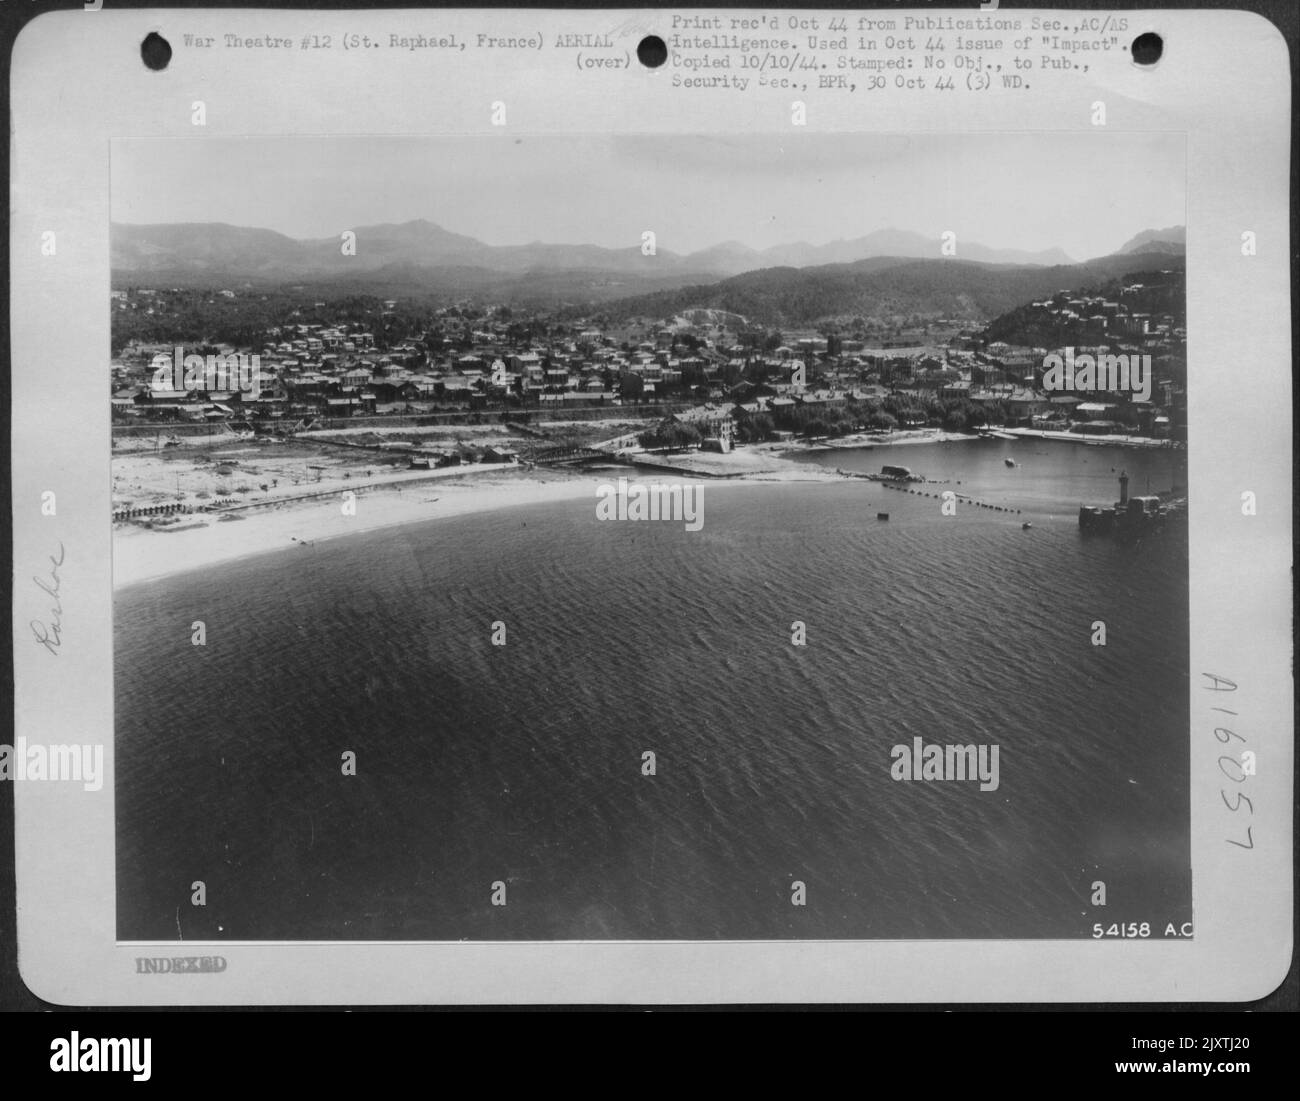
(643, 513)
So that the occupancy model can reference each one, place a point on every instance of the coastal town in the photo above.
(426, 409)
(705, 380)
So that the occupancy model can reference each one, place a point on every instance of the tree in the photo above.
(1126, 415)
(670, 435)
(756, 428)
(692, 374)
(955, 421)
(631, 386)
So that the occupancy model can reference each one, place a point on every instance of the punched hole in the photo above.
(156, 51)
(1147, 48)
(651, 51)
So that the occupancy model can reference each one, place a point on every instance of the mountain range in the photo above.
(214, 249)
(888, 271)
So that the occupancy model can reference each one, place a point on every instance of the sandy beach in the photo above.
(271, 517)
(141, 554)
(200, 540)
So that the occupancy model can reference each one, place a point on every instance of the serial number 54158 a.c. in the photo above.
(1132, 929)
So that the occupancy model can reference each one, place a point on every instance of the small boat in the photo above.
(1009, 462)
(1026, 526)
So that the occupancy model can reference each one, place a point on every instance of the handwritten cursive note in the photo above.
(48, 634)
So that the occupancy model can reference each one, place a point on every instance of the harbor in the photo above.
(1028, 480)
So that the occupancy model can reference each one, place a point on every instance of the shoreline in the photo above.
(866, 440)
(205, 540)
(904, 436)
(141, 555)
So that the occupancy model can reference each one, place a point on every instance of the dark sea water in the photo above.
(522, 764)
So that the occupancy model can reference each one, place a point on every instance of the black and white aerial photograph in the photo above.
(729, 538)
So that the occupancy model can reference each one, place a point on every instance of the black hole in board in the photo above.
(1147, 48)
(156, 51)
(651, 51)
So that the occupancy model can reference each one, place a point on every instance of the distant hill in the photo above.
(207, 254)
(736, 258)
(886, 288)
(885, 273)
(215, 251)
(203, 248)
(1172, 241)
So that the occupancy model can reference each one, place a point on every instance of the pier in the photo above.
(1132, 515)
(566, 456)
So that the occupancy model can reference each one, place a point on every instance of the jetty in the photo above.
(1132, 515)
